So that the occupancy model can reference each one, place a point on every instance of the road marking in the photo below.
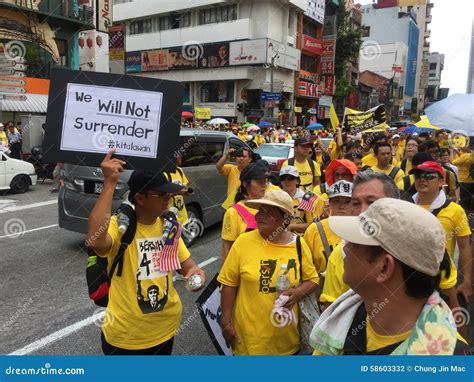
(14, 208)
(20, 234)
(62, 333)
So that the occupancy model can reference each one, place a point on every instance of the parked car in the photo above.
(16, 175)
(200, 150)
(275, 154)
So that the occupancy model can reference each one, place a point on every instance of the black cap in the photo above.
(255, 170)
(143, 181)
(302, 141)
(420, 158)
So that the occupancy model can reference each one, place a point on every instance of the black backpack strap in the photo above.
(300, 256)
(127, 238)
(394, 172)
(403, 165)
(291, 161)
(438, 210)
(323, 188)
(311, 166)
(406, 183)
(365, 168)
(356, 340)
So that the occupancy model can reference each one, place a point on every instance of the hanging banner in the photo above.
(104, 15)
(117, 42)
(202, 113)
(328, 84)
(90, 113)
(358, 121)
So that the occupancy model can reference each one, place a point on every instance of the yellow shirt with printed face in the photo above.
(305, 173)
(135, 319)
(233, 183)
(252, 266)
(463, 162)
(177, 201)
(398, 177)
(315, 244)
(233, 225)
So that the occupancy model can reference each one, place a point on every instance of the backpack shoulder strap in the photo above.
(311, 165)
(438, 210)
(406, 183)
(300, 256)
(365, 168)
(356, 340)
(403, 165)
(324, 239)
(323, 188)
(291, 161)
(245, 214)
(394, 172)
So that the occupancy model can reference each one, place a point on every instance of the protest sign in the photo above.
(358, 121)
(89, 114)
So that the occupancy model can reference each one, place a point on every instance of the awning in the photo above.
(35, 103)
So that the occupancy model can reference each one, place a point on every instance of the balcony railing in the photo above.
(63, 9)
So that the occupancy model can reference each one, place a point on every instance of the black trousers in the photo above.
(467, 195)
(164, 348)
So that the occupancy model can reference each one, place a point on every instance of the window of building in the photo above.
(366, 31)
(218, 14)
(433, 66)
(141, 26)
(308, 63)
(62, 50)
(174, 21)
(309, 27)
(432, 74)
(217, 91)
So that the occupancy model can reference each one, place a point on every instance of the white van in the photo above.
(15, 174)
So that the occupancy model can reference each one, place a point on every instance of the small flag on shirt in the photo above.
(169, 259)
(308, 201)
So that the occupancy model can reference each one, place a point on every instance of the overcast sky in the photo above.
(451, 35)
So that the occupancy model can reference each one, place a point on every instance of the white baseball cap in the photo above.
(340, 188)
(395, 136)
(289, 170)
(406, 231)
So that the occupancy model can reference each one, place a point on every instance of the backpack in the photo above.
(98, 279)
(291, 162)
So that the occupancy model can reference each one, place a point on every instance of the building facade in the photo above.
(435, 72)
(470, 75)
(238, 59)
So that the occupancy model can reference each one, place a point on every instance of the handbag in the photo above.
(309, 311)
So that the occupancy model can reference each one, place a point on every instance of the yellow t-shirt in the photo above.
(177, 201)
(305, 173)
(332, 146)
(371, 161)
(398, 177)
(399, 150)
(3, 138)
(315, 244)
(233, 183)
(300, 216)
(319, 207)
(463, 162)
(132, 321)
(334, 284)
(242, 136)
(233, 225)
(252, 266)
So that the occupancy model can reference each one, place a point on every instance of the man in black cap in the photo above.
(149, 261)
(309, 170)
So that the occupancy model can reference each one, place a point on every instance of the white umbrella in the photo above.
(455, 113)
(218, 121)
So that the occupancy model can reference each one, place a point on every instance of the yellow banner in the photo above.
(333, 118)
(298, 109)
(406, 3)
(202, 113)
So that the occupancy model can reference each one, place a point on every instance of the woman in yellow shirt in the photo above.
(411, 149)
(239, 218)
(251, 323)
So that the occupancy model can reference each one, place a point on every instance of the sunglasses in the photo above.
(287, 177)
(426, 176)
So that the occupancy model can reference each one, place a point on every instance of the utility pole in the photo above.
(275, 55)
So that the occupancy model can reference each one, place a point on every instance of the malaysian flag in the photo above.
(308, 202)
(169, 260)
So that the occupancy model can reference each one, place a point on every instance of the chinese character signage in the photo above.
(315, 10)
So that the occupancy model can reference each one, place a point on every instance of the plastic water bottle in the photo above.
(282, 280)
(193, 283)
(123, 222)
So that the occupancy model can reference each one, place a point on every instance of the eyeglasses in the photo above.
(426, 176)
(412, 145)
(287, 177)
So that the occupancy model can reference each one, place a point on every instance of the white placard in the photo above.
(98, 118)
(248, 52)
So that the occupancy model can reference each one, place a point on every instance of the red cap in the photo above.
(428, 166)
(338, 163)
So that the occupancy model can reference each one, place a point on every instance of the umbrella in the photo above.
(252, 128)
(265, 124)
(425, 123)
(455, 113)
(412, 129)
(245, 125)
(186, 115)
(218, 121)
(315, 126)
